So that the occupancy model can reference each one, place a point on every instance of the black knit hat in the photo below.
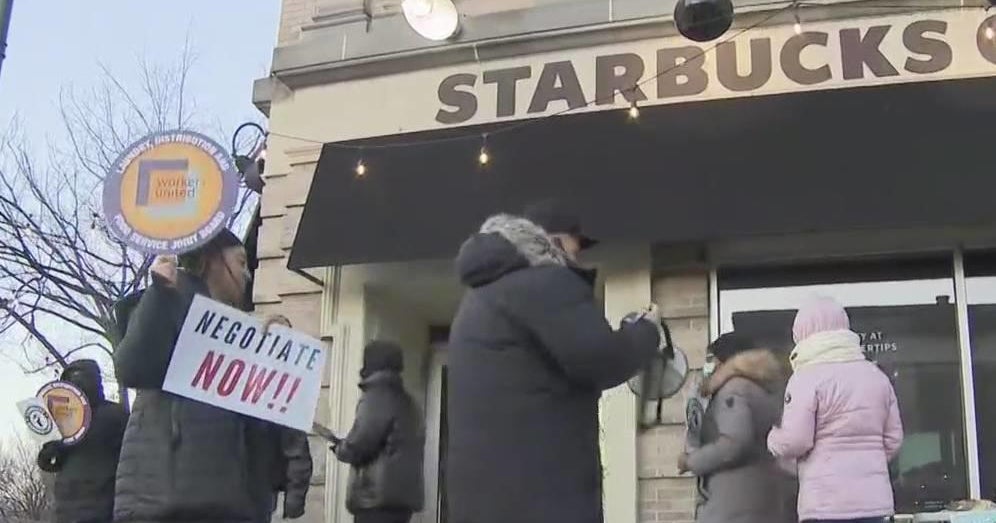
(382, 355)
(729, 345)
(221, 241)
(555, 217)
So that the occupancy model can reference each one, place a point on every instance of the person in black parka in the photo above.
(182, 460)
(84, 472)
(530, 353)
(385, 444)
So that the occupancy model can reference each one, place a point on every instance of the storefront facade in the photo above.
(850, 157)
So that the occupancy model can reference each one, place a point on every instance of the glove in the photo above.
(293, 507)
(652, 314)
(50, 457)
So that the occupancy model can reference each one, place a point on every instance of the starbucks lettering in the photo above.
(762, 61)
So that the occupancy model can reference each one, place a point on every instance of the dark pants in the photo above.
(382, 516)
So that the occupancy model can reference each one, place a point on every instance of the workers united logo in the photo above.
(170, 192)
(69, 408)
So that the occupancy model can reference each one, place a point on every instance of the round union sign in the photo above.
(70, 409)
(38, 420)
(170, 192)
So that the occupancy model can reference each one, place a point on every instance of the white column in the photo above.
(627, 288)
(967, 379)
(343, 316)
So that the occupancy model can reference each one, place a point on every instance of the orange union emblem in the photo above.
(170, 192)
(70, 409)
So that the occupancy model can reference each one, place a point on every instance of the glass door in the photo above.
(904, 310)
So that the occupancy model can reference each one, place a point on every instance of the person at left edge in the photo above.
(183, 460)
(84, 472)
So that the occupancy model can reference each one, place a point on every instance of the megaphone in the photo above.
(662, 378)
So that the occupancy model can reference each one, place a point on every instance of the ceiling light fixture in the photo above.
(435, 20)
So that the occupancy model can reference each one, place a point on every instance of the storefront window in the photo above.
(904, 311)
(980, 270)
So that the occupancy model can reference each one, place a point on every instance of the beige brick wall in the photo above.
(681, 288)
(278, 290)
(294, 14)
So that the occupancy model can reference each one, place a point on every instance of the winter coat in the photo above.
(84, 472)
(739, 480)
(384, 448)
(182, 460)
(841, 422)
(530, 352)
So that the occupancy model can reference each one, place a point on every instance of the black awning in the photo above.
(890, 156)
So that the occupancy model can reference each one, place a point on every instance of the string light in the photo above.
(633, 111)
(484, 157)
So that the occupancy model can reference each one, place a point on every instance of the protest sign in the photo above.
(170, 192)
(223, 358)
(36, 417)
(70, 409)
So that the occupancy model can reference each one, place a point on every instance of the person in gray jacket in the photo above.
(385, 444)
(182, 460)
(739, 480)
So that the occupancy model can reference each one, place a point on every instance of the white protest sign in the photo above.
(38, 420)
(223, 358)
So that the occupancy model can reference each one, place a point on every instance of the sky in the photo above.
(55, 44)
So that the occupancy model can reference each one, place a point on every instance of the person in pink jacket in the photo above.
(840, 424)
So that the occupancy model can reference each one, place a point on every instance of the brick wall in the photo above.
(278, 291)
(681, 288)
(293, 14)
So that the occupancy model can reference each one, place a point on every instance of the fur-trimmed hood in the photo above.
(761, 366)
(505, 244)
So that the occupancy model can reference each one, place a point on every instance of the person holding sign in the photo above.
(184, 460)
(85, 471)
(738, 479)
(385, 444)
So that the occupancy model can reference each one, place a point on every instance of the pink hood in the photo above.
(841, 423)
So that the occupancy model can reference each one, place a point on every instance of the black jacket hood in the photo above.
(505, 244)
(85, 374)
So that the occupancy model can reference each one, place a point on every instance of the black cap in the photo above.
(382, 356)
(555, 218)
(729, 345)
(222, 240)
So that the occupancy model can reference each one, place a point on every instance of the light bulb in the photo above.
(419, 7)
(484, 158)
(990, 33)
(361, 168)
(634, 111)
(797, 28)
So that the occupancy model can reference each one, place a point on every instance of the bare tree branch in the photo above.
(25, 492)
(61, 269)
